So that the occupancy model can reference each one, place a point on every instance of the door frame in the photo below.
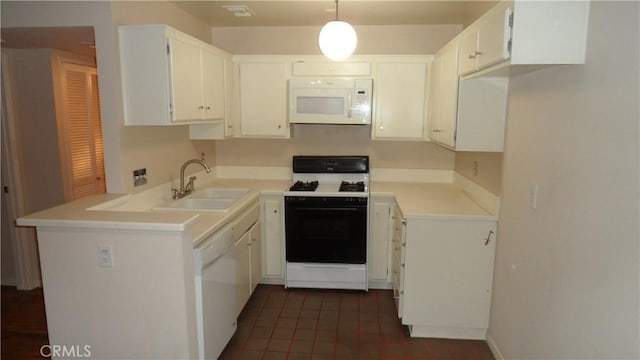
(23, 239)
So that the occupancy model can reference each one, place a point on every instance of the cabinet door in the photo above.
(468, 48)
(243, 275)
(397, 263)
(186, 72)
(448, 100)
(400, 101)
(493, 37)
(448, 273)
(443, 101)
(256, 254)
(273, 261)
(231, 116)
(213, 86)
(263, 100)
(379, 241)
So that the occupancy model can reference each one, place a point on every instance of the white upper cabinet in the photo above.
(262, 93)
(169, 77)
(465, 114)
(486, 42)
(400, 99)
(213, 85)
(443, 96)
(525, 33)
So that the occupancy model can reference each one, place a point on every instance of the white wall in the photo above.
(160, 150)
(567, 274)
(333, 140)
(303, 40)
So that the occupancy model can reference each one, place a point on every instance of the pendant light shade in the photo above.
(337, 39)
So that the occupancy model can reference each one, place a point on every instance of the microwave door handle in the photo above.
(350, 105)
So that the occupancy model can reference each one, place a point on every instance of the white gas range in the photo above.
(326, 222)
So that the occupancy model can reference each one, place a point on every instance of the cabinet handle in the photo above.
(486, 241)
(201, 107)
(475, 54)
(404, 221)
(275, 211)
(436, 130)
(279, 126)
(208, 108)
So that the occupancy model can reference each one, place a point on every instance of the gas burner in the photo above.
(304, 186)
(357, 186)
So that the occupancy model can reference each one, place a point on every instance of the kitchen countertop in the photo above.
(111, 211)
(431, 200)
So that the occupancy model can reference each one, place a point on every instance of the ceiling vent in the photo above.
(239, 10)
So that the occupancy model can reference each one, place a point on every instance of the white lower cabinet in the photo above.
(446, 277)
(243, 274)
(272, 239)
(255, 250)
(397, 257)
(248, 264)
(379, 234)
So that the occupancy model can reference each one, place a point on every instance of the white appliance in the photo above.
(215, 269)
(326, 223)
(330, 101)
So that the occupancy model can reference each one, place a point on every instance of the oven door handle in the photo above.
(332, 265)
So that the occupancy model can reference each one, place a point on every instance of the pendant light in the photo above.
(337, 39)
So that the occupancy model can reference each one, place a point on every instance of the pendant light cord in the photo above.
(336, 10)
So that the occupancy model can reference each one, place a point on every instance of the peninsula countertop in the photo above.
(135, 212)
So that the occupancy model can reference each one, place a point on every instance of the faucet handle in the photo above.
(190, 187)
(175, 194)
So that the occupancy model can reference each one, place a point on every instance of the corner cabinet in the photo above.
(170, 78)
(446, 276)
(465, 114)
(400, 98)
(443, 99)
(531, 33)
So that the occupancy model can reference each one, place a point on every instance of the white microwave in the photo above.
(330, 101)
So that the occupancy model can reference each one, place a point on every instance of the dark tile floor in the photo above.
(280, 323)
(276, 324)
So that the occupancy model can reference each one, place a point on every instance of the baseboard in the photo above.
(494, 348)
(380, 285)
(8, 281)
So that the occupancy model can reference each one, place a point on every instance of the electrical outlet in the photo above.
(140, 177)
(105, 257)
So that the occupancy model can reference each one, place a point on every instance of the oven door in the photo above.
(326, 229)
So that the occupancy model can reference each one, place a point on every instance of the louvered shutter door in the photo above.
(84, 136)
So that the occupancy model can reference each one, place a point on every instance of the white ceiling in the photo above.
(356, 12)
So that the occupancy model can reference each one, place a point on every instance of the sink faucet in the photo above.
(189, 188)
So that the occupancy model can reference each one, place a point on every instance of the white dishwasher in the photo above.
(215, 282)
